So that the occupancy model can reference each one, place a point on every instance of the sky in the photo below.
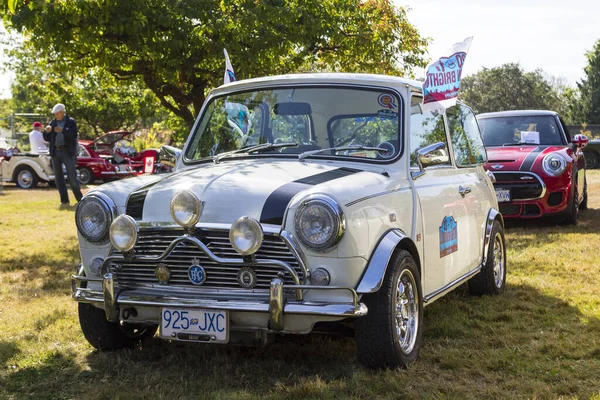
(549, 34)
(553, 35)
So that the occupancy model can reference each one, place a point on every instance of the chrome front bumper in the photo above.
(276, 304)
(112, 297)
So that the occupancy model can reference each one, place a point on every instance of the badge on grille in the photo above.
(163, 274)
(497, 166)
(196, 273)
(247, 278)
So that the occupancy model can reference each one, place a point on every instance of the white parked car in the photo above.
(26, 170)
(297, 200)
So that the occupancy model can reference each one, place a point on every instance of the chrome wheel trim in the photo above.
(25, 178)
(498, 261)
(406, 307)
(85, 176)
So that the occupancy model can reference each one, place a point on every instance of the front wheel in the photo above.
(492, 277)
(105, 335)
(26, 178)
(573, 211)
(584, 205)
(390, 335)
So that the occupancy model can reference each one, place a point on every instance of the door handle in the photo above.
(464, 190)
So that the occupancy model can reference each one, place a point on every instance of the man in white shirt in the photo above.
(36, 139)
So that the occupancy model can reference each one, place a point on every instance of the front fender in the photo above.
(33, 165)
(372, 279)
(493, 215)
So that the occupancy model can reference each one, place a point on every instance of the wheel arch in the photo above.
(493, 215)
(393, 241)
(31, 164)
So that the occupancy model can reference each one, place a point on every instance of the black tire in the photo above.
(25, 177)
(105, 335)
(86, 176)
(572, 216)
(379, 334)
(492, 277)
(583, 205)
(591, 160)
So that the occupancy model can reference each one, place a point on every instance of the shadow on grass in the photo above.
(58, 266)
(518, 339)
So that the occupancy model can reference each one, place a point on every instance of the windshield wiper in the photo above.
(309, 153)
(252, 149)
(519, 144)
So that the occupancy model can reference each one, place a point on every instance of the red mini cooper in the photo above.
(539, 169)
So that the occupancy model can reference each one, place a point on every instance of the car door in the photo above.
(469, 156)
(442, 207)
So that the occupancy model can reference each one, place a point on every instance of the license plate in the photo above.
(502, 195)
(123, 168)
(194, 325)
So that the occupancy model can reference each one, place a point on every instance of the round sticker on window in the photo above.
(390, 150)
(386, 100)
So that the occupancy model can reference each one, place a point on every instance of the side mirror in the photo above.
(168, 155)
(434, 154)
(580, 141)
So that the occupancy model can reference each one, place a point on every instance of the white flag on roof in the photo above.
(229, 75)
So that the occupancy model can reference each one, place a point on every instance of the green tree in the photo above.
(97, 100)
(509, 87)
(585, 105)
(176, 46)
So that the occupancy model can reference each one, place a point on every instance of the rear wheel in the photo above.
(105, 335)
(390, 335)
(85, 176)
(492, 277)
(591, 160)
(26, 178)
(583, 205)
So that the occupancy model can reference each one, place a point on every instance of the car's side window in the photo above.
(425, 129)
(465, 136)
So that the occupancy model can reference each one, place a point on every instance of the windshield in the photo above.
(300, 119)
(510, 131)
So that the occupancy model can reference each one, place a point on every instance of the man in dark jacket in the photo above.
(62, 136)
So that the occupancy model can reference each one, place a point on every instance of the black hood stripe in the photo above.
(277, 202)
(531, 157)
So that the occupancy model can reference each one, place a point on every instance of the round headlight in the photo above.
(123, 233)
(319, 223)
(246, 236)
(186, 208)
(554, 164)
(93, 217)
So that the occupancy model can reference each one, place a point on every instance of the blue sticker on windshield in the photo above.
(387, 114)
(448, 236)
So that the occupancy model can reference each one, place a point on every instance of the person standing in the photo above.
(62, 135)
(36, 139)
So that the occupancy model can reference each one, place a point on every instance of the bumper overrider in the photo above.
(283, 299)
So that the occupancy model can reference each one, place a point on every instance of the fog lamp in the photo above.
(320, 277)
(186, 208)
(246, 235)
(123, 233)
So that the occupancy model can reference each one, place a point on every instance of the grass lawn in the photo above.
(541, 339)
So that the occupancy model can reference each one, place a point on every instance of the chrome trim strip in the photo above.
(452, 285)
(267, 228)
(110, 298)
(375, 272)
(536, 176)
(377, 195)
(276, 305)
(296, 250)
(212, 256)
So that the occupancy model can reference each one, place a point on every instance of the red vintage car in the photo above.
(539, 169)
(97, 160)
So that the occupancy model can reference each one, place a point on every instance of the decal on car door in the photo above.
(448, 236)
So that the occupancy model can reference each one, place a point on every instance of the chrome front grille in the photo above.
(153, 242)
(522, 185)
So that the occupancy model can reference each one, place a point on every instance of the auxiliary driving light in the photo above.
(186, 209)
(246, 236)
(123, 233)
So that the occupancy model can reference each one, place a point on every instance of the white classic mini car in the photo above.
(297, 200)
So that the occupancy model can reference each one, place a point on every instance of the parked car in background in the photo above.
(539, 169)
(592, 154)
(92, 166)
(24, 169)
(297, 200)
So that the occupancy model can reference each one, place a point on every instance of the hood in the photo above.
(112, 137)
(259, 189)
(518, 158)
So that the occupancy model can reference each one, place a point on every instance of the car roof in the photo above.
(317, 78)
(517, 113)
